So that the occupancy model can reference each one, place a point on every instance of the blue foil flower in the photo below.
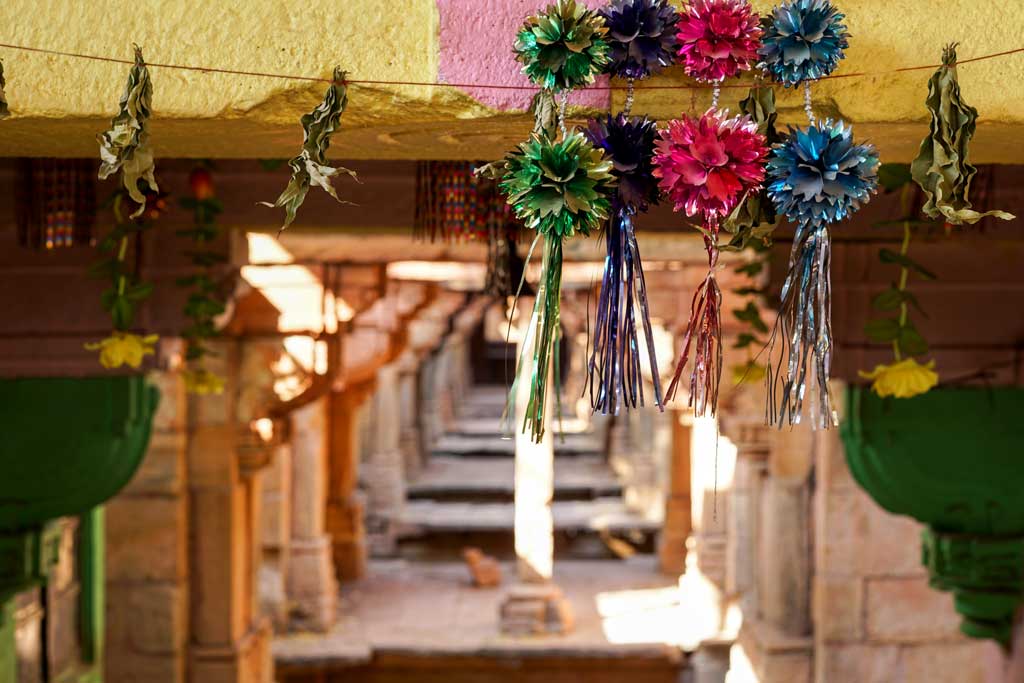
(642, 35)
(629, 142)
(818, 175)
(803, 41)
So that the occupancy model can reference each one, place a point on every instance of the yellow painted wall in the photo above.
(60, 104)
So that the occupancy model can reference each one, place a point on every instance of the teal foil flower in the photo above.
(559, 188)
(818, 175)
(803, 41)
(564, 47)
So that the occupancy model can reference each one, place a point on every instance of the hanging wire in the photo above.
(808, 108)
(630, 93)
(563, 103)
(494, 86)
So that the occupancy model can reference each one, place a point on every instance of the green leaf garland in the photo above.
(125, 147)
(942, 168)
(311, 167)
(754, 219)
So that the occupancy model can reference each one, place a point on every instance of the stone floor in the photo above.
(582, 477)
(603, 514)
(622, 608)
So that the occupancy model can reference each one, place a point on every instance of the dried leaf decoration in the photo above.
(125, 147)
(754, 219)
(4, 113)
(311, 167)
(942, 168)
(545, 122)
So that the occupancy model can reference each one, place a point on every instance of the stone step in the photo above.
(495, 445)
(478, 479)
(420, 517)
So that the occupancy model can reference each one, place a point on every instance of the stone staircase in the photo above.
(464, 494)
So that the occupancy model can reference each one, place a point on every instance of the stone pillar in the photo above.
(742, 420)
(147, 591)
(775, 640)
(276, 528)
(535, 605)
(409, 435)
(384, 470)
(230, 641)
(312, 587)
(344, 504)
(875, 616)
(678, 516)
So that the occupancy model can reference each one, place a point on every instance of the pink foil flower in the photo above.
(718, 39)
(707, 165)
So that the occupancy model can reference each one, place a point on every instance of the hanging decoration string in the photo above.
(643, 39)
(817, 176)
(490, 86)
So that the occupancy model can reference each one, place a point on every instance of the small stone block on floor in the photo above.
(483, 569)
(536, 609)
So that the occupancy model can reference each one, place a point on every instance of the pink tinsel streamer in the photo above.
(706, 166)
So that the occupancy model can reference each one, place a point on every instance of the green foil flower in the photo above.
(559, 188)
(563, 48)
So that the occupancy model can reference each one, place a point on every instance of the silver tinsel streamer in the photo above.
(804, 330)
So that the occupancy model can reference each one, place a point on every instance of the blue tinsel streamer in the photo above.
(613, 372)
(816, 177)
(614, 378)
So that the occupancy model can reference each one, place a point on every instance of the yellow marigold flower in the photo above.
(903, 379)
(202, 381)
(123, 348)
(748, 373)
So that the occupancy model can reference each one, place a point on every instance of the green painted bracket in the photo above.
(951, 459)
(69, 443)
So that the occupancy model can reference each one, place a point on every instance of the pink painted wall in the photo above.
(476, 47)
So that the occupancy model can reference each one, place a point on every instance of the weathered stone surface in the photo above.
(860, 664)
(221, 115)
(838, 608)
(162, 471)
(149, 619)
(145, 539)
(908, 611)
(129, 667)
(966, 662)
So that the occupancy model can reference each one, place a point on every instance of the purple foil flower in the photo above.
(642, 35)
(629, 142)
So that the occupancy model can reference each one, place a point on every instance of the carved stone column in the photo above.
(345, 507)
(678, 516)
(312, 587)
(384, 470)
(230, 640)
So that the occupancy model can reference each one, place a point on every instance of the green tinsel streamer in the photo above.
(546, 334)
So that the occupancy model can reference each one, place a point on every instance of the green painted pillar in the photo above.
(951, 459)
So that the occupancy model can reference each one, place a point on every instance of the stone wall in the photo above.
(147, 563)
(875, 617)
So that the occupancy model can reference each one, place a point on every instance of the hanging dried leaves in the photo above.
(545, 122)
(311, 166)
(942, 168)
(4, 113)
(754, 219)
(125, 147)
